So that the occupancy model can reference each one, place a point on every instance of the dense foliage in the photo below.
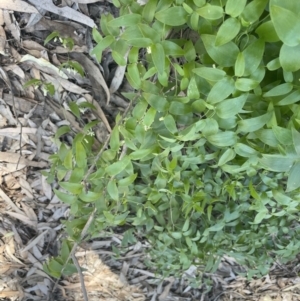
(207, 162)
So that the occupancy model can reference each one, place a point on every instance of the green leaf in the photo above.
(221, 90)
(89, 126)
(140, 109)
(239, 67)
(260, 216)
(235, 8)
(133, 55)
(172, 49)
(70, 269)
(184, 83)
(74, 188)
(65, 251)
(211, 127)
(117, 167)
(170, 124)
(118, 58)
(218, 227)
(224, 55)
(178, 108)
(290, 99)
(246, 84)
(149, 32)
(112, 190)
(284, 136)
(68, 161)
(63, 150)
(133, 75)
(254, 124)
(194, 21)
(114, 142)
(108, 30)
(125, 20)
(152, 71)
(128, 238)
(228, 31)
(51, 36)
(75, 66)
(293, 181)
(267, 33)
(222, 139)
(90, 196)
(149, 11)
(244, 150)
(66, 198)
(158, 57)
(173, 16)
(210, 12)
(274, 64)
(149, 117)
(199, 3)
(199, 106)
(227, 156)
(55, 266)
(62, 130)
(231, 107)
(288, 76)
(141, 153)
(277, 163)
(267, 137)
(296, 140)
(192, 90)
(157, 102)
(189, 51)
(212, 74)
(74, 109)
(289, 58)
(176, 235)
(139, 42)
(128, 180)
(286, 23)
(187, 8)
(254, 10)
(253, 55)
(32, 82)
(103, 44)
(80, 155)
(279, 90)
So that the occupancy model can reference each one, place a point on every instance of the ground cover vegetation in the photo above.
(206, 160)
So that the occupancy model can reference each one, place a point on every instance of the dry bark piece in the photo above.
(95, 76)
(15, 158)
(12, 25)
(43, 65)
(18, 5)
(66, 12)
(67, 85)
(2, 41)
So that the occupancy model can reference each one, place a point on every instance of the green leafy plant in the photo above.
(46, 87)
(55, 35)
(60, 265)
(207, 161)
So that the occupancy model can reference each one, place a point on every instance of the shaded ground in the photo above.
(30, 214)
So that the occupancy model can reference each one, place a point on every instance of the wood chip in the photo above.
(18, 5)
(15, 158)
